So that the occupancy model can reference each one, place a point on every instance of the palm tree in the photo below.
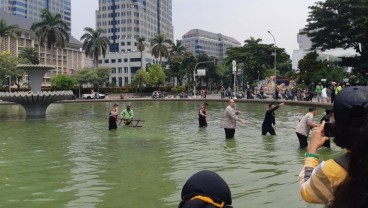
(6, 30)
(141, 46)
(30, 54)
(52, 30)
(177, 49)
(94, 45)
(160, 46)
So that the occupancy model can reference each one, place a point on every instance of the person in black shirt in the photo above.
(202, 115)
(269, 122)
(327, 119)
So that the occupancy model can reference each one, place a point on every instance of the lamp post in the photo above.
(274, 44)
(234, 71)
(194, 75)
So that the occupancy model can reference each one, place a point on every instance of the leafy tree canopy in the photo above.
(341, 24)
(155, 75)
(63, 82)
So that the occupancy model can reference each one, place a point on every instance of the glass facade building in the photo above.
(31, 9)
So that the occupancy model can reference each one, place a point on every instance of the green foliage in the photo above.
(141, 46)
(341, 24)
(63, 82)
(174, 90)
(86, 76)
(94, 45)
(309, 65)
(6, 29)
(8, 66)
(30, 54)
(140, 78)
(256, 57)
(155, 75)
(224, 73)
(160, 46)
(181, 88)
(51, 29)
(103, 74)
(181, 65)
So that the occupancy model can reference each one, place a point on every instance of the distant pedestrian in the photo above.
(231, 117)
(202, 115)
(319, 89)
(261, 91)
(269, 122)
(276, 92)
(222, 90)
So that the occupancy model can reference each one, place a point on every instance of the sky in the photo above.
(240, 19)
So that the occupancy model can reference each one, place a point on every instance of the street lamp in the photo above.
(274, 44)
(194, 75)
(234, 71)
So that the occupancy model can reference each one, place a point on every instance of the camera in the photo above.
(329, 129)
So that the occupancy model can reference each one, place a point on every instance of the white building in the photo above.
(305, 45)
(125, 20)
(213, 44)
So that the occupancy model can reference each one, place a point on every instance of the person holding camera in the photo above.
(341, 182)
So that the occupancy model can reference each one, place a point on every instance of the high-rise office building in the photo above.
(129, 19)
(213, 44)
(125, 20)
(31, 9)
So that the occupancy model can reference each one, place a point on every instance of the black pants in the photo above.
(112, 123)
(229, 133)
(268, 129)
(303, 140)
(202, 122)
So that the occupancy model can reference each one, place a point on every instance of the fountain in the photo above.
(35, 102)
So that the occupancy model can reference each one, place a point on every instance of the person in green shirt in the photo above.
(319, 89)
(127, 115)
(338, 89)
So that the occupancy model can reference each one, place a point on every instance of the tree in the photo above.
(94, 45)
(6, 30)
(141, 46)
(155, 75)
(51, 30)
(177, 49)
(103, 74)
(63, 82)
(255, 58)
(85, 76)
(30, 54)
(341, 24)
(140, 79)
(160, 46)
(308, 66)
(223, 72)
(8, 67)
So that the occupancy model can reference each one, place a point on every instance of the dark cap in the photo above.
(351, 106)
(129, 105)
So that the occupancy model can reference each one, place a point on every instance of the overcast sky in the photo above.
(240, 19)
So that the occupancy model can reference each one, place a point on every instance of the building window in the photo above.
(113, 60)
(120, 70)
(106, 61)
(113, 71)
(126, 70)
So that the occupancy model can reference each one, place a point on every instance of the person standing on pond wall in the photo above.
(269, 123)
(304, 126)
(202, 115)
(340, 182)
(127, 115)
(113, 117)
(231, 117)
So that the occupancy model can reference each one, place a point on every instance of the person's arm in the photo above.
(310, 122)
(121, 115)
(312, 178)
(233, 114)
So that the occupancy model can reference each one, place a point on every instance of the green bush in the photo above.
(181, 89)
(174, 90)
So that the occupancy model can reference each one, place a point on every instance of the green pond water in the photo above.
(70, 159)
